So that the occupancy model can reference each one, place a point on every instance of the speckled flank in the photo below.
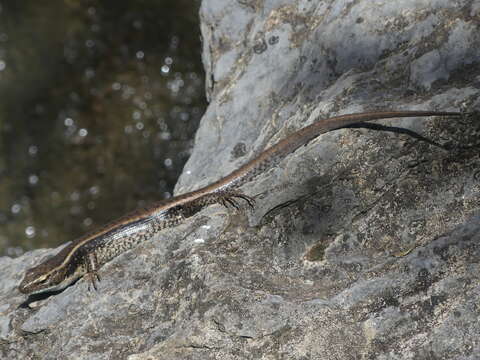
(112, 244)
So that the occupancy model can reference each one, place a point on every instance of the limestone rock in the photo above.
(363, 244)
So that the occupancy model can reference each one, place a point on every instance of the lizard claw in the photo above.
(93, 279)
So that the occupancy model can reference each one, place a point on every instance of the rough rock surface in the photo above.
(363, 244)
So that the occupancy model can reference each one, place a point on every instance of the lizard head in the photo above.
(45, 277)
(38, 279)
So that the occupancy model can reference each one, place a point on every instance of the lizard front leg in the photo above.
(91, 264)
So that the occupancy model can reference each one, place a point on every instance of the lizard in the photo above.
(85, 255)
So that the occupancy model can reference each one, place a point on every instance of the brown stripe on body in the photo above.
(238, 177)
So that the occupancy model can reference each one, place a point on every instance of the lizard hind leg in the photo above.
(232, 197)
(226, 198)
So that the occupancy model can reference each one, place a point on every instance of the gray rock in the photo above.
(363, 244)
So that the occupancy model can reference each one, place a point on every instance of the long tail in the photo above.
(288, 145)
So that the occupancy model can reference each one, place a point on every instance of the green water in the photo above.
(99, 102)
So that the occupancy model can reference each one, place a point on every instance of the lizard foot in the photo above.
(231, 198)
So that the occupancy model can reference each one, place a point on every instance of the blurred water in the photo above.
(99, 102)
